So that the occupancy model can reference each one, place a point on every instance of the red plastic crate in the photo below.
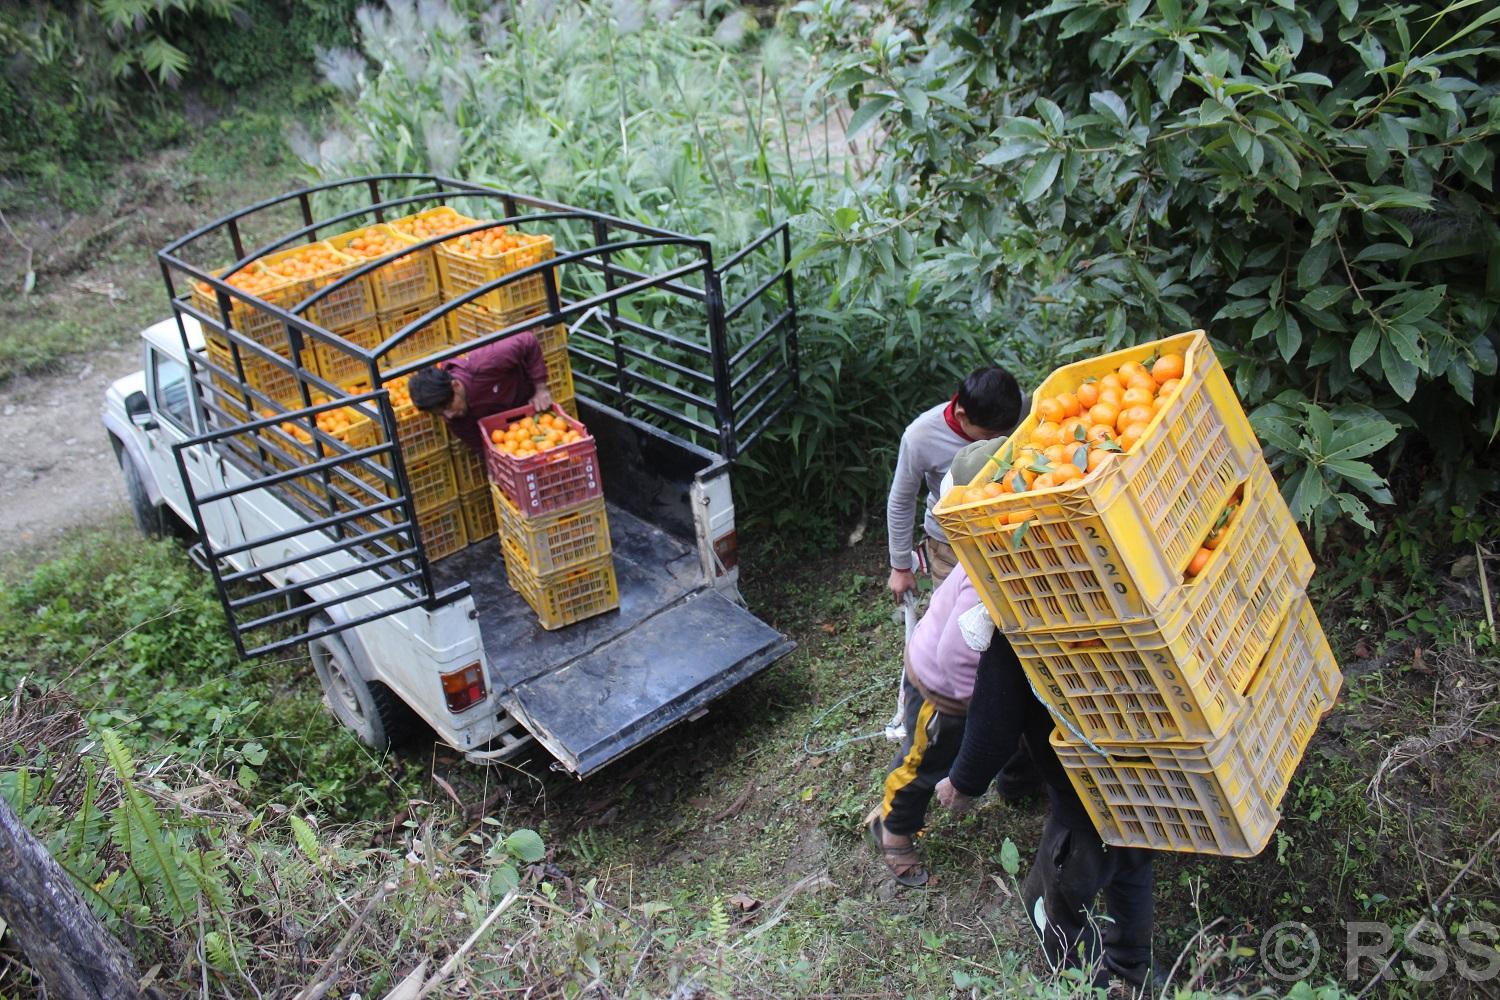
(560, 477)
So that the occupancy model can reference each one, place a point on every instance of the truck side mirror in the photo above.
(139, 410)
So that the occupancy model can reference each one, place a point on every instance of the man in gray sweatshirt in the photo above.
(987, 405)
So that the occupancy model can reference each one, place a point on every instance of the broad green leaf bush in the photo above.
(1313, 183)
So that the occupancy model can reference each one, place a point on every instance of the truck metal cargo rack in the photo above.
(651, 336)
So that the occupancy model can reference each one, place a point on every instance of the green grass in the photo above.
(722, 851)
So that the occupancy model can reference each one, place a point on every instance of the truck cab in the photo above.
(394, 636)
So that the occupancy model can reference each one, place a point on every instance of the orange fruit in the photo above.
(1168, 367)
(1111, 397)
(1100, 433)
(1143, 381)
(1088, 395)
(1057, 454)
(1070, 404)
(1018, 516)
(1131, 434)
(1045, 481)
(1075, 429)
(1111, 381)
(1138, 397)
(1196, 564)
(1168, 387)
(1051, 410)
(1066, 473)
(1046, 435)
(1134, 415)
(1098, 456)
(990, 491)
(1129, 370)
(1103, 413)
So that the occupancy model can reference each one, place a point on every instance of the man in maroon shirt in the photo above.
(487, 380)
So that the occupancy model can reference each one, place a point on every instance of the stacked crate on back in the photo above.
(554, 531)
(1136, 660)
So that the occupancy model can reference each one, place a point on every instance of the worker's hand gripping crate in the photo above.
(1109, 544)
(557, 540)
(1220, 797)
(409, 278)
(537, 475)
(466, 263)
(1179, 674)
(564, 596)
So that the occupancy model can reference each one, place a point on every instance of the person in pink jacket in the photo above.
(936, 685)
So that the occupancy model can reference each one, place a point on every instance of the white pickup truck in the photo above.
(394, 635)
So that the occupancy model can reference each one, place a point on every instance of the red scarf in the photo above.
(952, 419)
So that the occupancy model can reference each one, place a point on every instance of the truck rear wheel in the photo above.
(367, 708)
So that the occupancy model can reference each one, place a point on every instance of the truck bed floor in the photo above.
(653, 570)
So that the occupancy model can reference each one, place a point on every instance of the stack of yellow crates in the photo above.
(554, 531)
(1186, 689)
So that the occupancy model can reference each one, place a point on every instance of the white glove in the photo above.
(977, 627)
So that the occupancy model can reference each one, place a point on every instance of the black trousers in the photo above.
(1072, 868)
(931, 745)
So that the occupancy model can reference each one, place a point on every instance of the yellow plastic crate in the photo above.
(1179, 676)
(245, 317)
(426, 340)
(468, 468)
(567, 595)
(420, 434)
(1110, 546)
(559, 374)
(341, 367)
(1220, 797)
(555, 540)
(442, 531)
(337, 310)
(405, 281)
(272, 381)
(429, 223)
(569, 405)
(462, 272)
(469, 322)
(479, 513)
(431, 481)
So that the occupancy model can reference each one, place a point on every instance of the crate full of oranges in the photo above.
(409, 278)
(469, 262)
(541, 461)
(1094, 507)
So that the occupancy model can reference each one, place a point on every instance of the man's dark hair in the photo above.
(990, 397)
(431, 389)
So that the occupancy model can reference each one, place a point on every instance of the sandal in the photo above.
(903, 861)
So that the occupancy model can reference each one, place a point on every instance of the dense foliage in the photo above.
(1312, 182)
(88, 82)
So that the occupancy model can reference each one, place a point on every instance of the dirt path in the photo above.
(60, 471)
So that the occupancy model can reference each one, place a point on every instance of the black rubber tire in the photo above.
(150, 519)
(368, 709)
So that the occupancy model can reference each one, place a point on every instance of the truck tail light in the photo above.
(464, 688)
(727, 548)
